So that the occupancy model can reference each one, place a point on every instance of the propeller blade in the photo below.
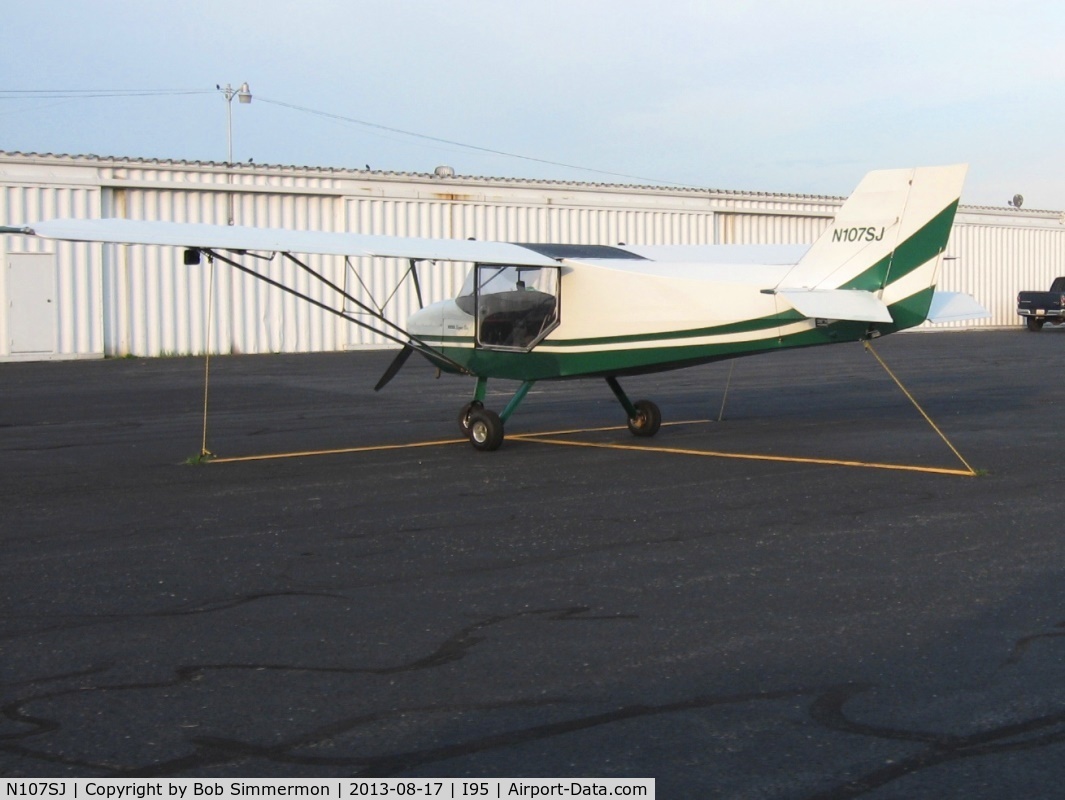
(394, 367)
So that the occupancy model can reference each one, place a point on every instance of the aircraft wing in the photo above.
(239, 238)
(849, 304)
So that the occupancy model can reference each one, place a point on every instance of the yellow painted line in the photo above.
(434, 443)
(751, 456)
(600, 430)
(338, 451)
(548, 437)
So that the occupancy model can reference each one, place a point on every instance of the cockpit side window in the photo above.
(515, 307)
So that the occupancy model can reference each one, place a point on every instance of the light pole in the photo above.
(243, 95)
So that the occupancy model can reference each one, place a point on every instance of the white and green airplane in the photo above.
(535, 312)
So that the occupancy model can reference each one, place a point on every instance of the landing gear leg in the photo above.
(475, 404)
(515, 401)
(483, 427)
(464, 416)
(644, 416)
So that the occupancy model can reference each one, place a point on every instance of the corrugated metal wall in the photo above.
(769, 228)
(158, 306)
(117, 300)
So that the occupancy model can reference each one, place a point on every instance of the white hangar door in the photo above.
(29, 292)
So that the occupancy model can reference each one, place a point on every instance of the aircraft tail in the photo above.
(879, 260)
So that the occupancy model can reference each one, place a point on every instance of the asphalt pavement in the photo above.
(810, 597)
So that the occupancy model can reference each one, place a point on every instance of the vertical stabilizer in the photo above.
(887, 239)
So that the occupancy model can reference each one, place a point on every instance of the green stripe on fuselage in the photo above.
(909, 312)
(744, 326)
(539, 365)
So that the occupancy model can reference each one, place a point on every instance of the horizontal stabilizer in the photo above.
(955, 307)
(849, 304)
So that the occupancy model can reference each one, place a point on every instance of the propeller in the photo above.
(404, 354)
(394, 367)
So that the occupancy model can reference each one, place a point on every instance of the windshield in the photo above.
(515, 307)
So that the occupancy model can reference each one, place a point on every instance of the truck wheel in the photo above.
(1034, 324)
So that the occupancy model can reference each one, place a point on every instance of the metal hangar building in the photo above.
(69, 300)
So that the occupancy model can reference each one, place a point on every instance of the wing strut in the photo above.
(417, 283)
(413, 343)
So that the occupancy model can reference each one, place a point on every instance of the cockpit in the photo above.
(514, 307)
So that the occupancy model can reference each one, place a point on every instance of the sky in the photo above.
(763, 95)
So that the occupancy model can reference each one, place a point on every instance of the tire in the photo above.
(464, 417)
(486, 430)
(1034, 324)
(648, 419)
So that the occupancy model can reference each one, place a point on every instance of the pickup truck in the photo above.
(1038, 308)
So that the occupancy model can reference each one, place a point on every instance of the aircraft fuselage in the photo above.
(621, 320)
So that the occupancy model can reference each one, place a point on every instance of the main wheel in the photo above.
(648, 419)
(464, 416)
(486, 430)
(1035, 324)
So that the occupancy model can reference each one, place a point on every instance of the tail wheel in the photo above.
(1034, 324)
(464, 416)
(486, 430)
(648, 419)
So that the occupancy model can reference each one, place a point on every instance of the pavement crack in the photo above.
(940, 748)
